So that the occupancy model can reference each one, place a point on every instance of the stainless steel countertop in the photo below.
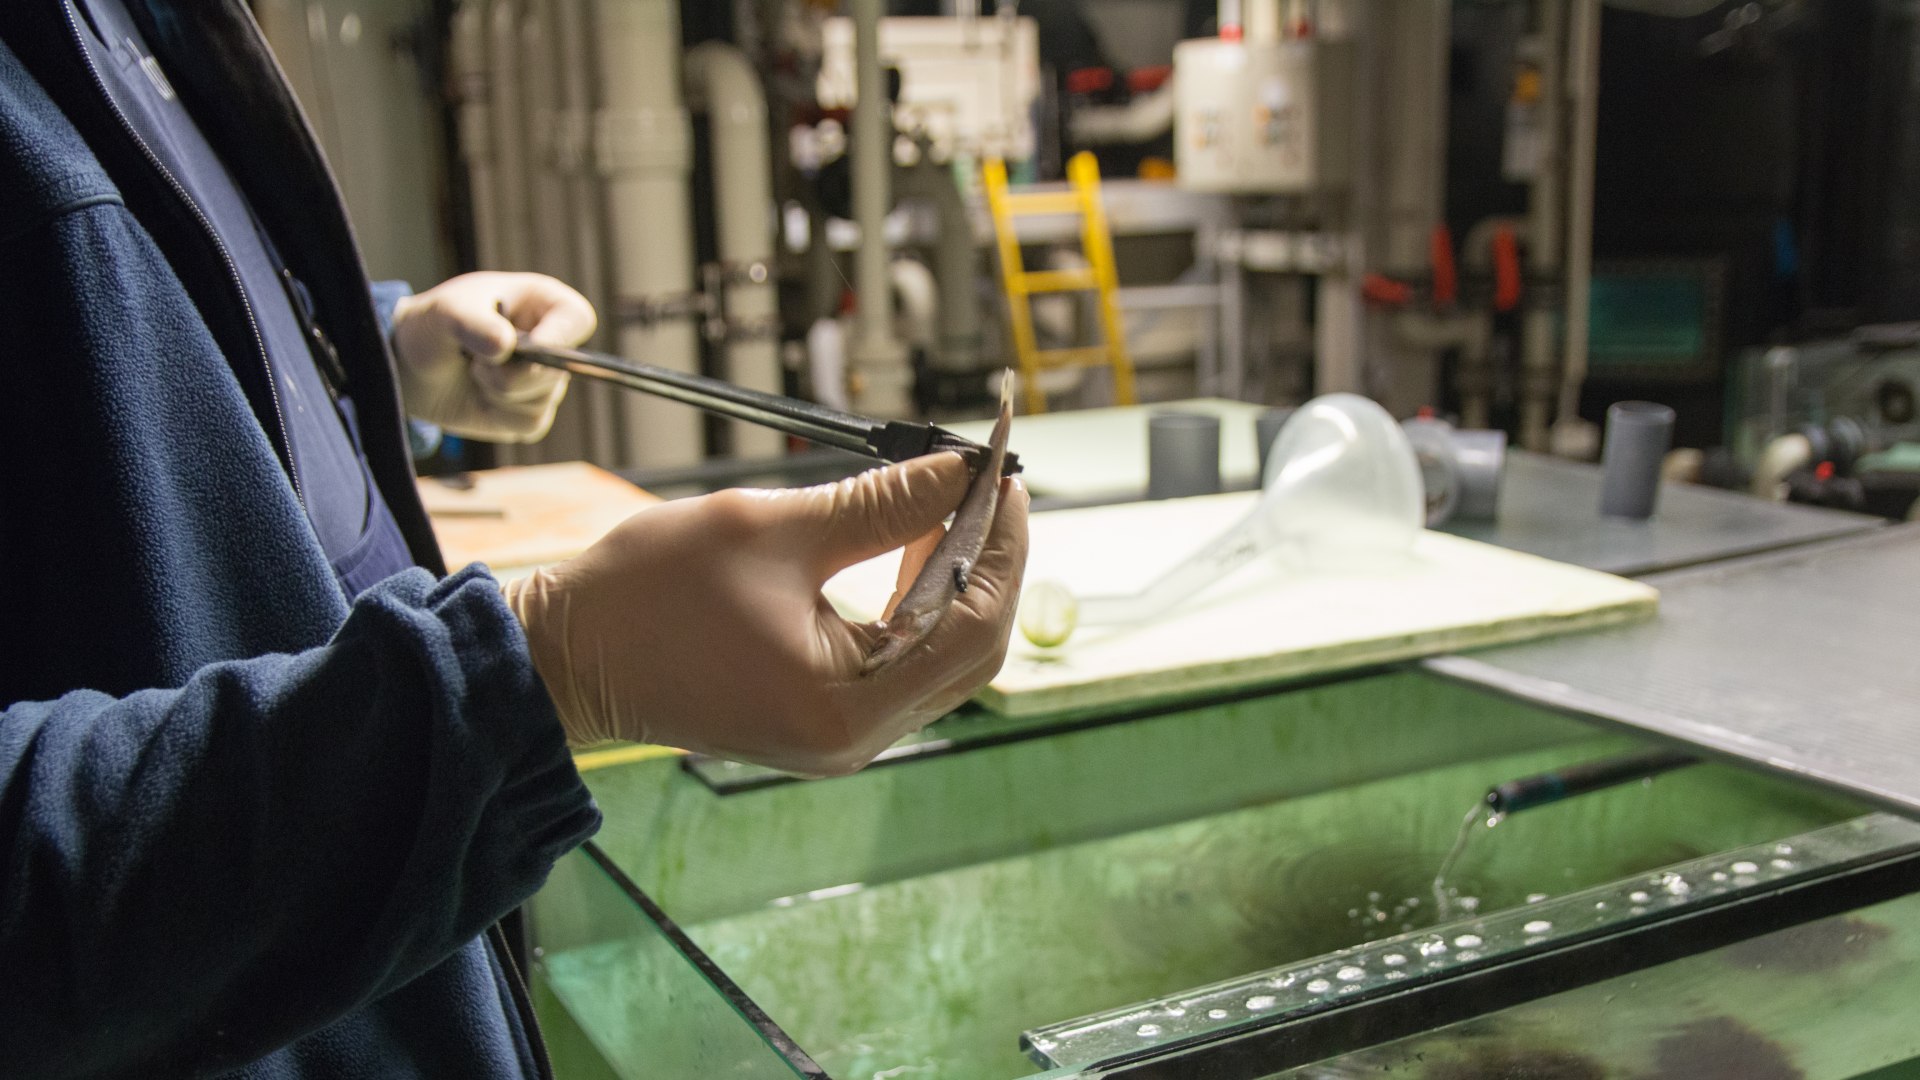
(1804, 661)
(1551, 507)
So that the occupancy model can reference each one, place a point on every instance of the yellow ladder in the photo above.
(1021, 284)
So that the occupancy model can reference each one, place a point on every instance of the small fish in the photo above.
(948, 570)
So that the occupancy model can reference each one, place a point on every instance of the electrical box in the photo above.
(1261, 117)
(968, 84)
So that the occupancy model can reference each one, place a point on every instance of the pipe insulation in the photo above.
(643, 149)
(722, 82)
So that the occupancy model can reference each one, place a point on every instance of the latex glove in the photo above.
(453, 341)
(699, 623)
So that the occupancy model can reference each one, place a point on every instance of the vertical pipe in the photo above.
(1583, 50)
(721, 81)
(1537, 374)
(474, 117)
(550, 248)
(956, 265)
(644, 152)
(586, 215)
(509, 135)
(878, 357)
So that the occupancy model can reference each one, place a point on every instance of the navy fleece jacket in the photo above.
(245, 829)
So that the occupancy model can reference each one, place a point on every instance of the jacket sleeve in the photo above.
(196, 876)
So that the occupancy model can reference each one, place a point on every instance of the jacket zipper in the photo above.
(279, 434)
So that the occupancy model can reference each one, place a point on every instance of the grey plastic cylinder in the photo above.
(1266, 428)
(1482, 458)
(1638, 436)
(1183, 454)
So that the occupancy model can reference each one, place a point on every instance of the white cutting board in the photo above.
(1270, 621)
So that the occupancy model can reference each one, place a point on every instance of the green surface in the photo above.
(1828, 1000)
(960, 900)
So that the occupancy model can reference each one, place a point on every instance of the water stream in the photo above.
(1442, 900)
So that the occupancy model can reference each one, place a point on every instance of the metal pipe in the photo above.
(1583, 49)
(883, 383)
(722, 82)
(1538, 374)
(643, 148)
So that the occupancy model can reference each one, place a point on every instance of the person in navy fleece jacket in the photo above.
(252, 825)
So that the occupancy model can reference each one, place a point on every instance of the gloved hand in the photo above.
(699, 623)
(453, 341)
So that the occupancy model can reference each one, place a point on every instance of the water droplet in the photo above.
(1538, 926)
(1393, 959)
(1259, 1001)
(1413, 901)
(1469, 955)
(1781, 864)
(1675, 884)
(1639, 896)
(1468, 941)
(1469, 904)
(1783, 849)
(1636, 910)
(1719, 875)
(1743, 867)
(1148, 1031)
(1319, 986)
(1350, 974)
(1281, 982)
(1432, 947)
(1535, 897)
(1373, 897)
(1395, 975)
(1174, 1010)
(1353, 913)
(1599, 905)
(1216, 1014)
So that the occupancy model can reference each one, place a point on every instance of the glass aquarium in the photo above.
(1217, 889)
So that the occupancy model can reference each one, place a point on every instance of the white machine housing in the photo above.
(1261, 117)
(969, 84)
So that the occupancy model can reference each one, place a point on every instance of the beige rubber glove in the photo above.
(699, 623)
(453, 341)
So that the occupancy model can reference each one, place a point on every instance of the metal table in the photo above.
(1800, 661)
(1551, 507)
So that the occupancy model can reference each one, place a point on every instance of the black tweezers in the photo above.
(888, 440)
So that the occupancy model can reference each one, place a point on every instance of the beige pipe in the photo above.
(882, 381)
(586, 218)
(1583, 49)
(722, 82)
(474, 116)
(1538, 372)
(643, 149)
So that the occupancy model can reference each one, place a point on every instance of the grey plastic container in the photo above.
(1183, 454)
(1638, 436)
